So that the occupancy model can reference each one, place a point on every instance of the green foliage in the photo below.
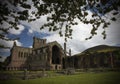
(113, 19)
(61, 14)
(27, 6)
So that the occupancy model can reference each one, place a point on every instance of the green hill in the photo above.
(100, 49)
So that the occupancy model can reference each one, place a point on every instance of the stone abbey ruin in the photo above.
(42, 56)
(51, 56)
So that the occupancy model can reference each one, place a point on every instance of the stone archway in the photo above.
(56, 55)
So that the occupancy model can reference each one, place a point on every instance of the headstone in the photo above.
(25, 74)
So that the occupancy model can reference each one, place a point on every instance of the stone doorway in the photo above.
(55, 67)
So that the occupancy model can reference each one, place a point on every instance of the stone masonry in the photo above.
(42, 56)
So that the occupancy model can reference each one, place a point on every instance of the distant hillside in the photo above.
(100, 48)
(101, 56)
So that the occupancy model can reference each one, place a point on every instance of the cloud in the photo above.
(112, 36)
(35, 25)
(6, 52)
(30, 46)
(10, 43)
(30, 31)
(80, 32)
(18, 43)
(17, 32)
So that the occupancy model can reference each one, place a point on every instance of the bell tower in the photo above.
(37, 42)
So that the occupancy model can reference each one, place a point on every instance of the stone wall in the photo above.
(42, 58)
(18, 58)
(95, 60)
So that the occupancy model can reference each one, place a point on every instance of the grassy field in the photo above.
(81, 78)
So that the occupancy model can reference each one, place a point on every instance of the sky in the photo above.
(77, 44)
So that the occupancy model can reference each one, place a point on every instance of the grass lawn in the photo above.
(81, 78)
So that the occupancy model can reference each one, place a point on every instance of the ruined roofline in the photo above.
(43, 46)
(48, 44)
(38, 38)
(52, 42)
(55, 42)
(15, 45)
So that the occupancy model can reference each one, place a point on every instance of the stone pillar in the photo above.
(65, 64)
(69, 52)
(65, 49)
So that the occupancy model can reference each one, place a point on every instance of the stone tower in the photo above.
(37, 43)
